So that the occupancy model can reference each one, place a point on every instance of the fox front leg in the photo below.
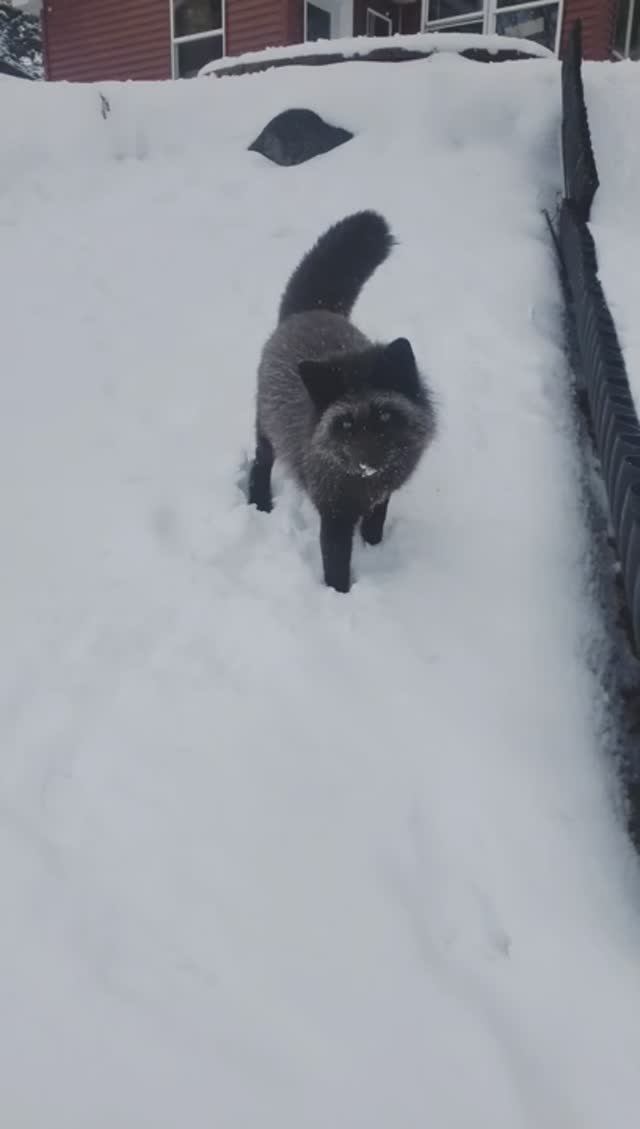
(373, 524)
(336, 541)
(260, 474)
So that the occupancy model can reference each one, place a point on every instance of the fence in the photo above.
(611, 407)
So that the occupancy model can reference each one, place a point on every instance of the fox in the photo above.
(349, 418)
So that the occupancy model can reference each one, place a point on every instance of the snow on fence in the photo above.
(613, 415)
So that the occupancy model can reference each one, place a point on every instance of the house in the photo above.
(91, 40)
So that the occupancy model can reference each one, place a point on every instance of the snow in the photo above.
(612, 94)
(271, 856)
(436, 41)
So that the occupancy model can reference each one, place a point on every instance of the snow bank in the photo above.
(613, 103)
(438, 42)
(271, 856)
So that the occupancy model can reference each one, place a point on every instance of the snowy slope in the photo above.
(613, 103)
(273, 857)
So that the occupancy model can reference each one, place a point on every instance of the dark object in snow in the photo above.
(580, 173)
(616, 434)
(349, 418)
(611, 409)
(295, 136)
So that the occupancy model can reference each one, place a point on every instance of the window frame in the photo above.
(624, 54)
(488, 11)
(178, 40)
(379, 16)
(305, 21)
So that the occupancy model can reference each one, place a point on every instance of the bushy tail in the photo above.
(333, 272)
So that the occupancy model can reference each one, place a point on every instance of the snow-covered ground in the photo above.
(613, 103)
(269, 856)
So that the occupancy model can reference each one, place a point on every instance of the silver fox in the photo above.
(348, 417)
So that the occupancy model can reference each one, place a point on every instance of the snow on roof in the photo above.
(358, 46)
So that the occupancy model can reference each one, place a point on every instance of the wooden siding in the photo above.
(100, 40)
(254, 24)
(598, 22)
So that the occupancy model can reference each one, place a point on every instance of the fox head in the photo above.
(371, 408)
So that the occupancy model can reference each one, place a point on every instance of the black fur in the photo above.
(372, 526)
(350, 418)
(260, 475)
(333, 272)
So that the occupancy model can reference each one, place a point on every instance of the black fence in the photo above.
(610, 403)
(580, 173)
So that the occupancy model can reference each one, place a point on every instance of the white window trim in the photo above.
(176, 40)
(480, 15)
(379, 16)
(624, 54)
(487, 13)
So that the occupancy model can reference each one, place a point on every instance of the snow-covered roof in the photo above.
(358, 46)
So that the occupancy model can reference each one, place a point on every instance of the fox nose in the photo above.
(368, 452)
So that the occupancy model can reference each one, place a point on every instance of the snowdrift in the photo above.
(271, 856)
(613, 100)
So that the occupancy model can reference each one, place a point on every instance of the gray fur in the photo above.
(286, 412)
(349, 418)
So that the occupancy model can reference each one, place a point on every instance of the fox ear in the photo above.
(399, 369)
(323, 381)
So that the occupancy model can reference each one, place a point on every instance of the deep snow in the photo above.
(272, 856)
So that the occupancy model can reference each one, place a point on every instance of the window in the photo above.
(377, 24)
(539, 24)
(318, 23)
(197, 34)
(470, 27)
(529, 19)
(327, 19)
(627, 37)
(453, 9)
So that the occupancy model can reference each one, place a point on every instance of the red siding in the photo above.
(294, 12)
(598, 21)
(98, 40)
(254, 24)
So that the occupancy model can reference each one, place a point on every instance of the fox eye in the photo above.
(384, 416)
(346, 423)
